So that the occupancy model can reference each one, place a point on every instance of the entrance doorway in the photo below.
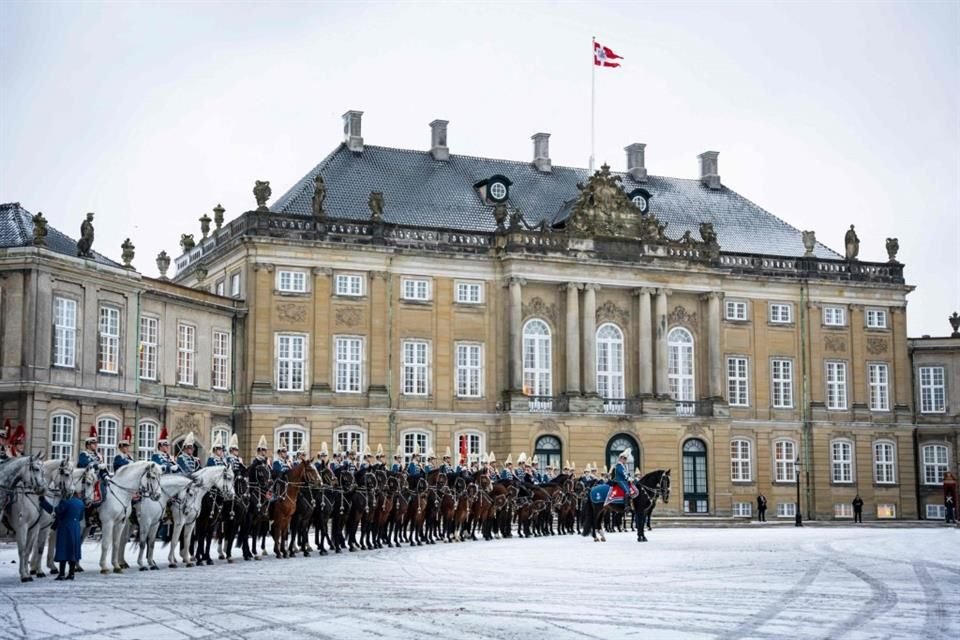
(616, 446)
(695, 495)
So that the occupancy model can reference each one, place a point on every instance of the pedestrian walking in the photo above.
(70, 512)
(858, 509)
(761, 508)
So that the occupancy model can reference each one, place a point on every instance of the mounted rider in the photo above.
(507, 472)
(397, 465)
(188, 462)
(262, 450)
(335, 463)
(414, 469)
(234, 461)
(380, 462)
(281, 464)
(447, 465)
(431, 459)
(322, 463)
(123, 457)
(520, 469)
(162, 455)
(91, 457)
(17, 441)
(620, 475)
(367, 459)
(216, 459)
(349, 461)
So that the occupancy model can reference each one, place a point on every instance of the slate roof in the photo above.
(421, 191)
(16, 230)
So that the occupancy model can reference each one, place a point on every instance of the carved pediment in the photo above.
(537, 307)
(610, 312)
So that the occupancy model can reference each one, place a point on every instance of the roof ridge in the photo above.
(297, 187)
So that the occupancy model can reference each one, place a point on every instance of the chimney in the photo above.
(708, 169)
(438, 140)
(351, 131)
(635, 163)
(541, 152)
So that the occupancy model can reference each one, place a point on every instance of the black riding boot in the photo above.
(73, 569)
(60, 574)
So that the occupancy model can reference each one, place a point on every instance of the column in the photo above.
(645, 343)
(516, 338)
(590, 339)
(713, 339)
(663, 388)
(573, 337)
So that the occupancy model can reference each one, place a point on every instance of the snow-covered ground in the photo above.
(685, 583)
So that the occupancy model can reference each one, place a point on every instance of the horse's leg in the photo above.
(176, 528)
(189, 538)
(23, 547)
(39, 545)
(51, 549)
(106, 541)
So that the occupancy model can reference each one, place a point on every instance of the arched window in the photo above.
(63, 429)
(740, 463)
(415, 438)
(549, 450)
(473, 442)
(108, 429)
(617, 445)
(352, 438)
(224, 432)
(147, 434)
(537, 361)
(695, 495)
(884, 462)
(610, 362)
(841, 461)
(936, 461)
(293, 435)
(680, 364)
(784, 457)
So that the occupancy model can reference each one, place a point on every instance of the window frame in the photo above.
(839, 386)
(736, 305)
(682, 385)
(291, 281)
(834, 316)
(222, 358)
(940, 511)
(415, 284)
(64, 352)
(286, 384)
(350, 430)
(414, 437)
(780, 463)
(360, 364)
(63, 448)
(108, 344)
(415, 367)
(481, 441)
(740, 507)
(939, 468)
(540, 373)
(777, 310)
(738, 396)
(785, 382)
(610, 382)
(842, 510)
(235, 284)
(220, 287)
(285, 431)
(842, 469)
(878, 391)
(347, 280)
(465, 371)
(146, 439)
(886, 511)
(930, 405)
(888, 465)
(786, 509)
(186, 355)
(108, 435)
(460, 286)
(148, 361)
(875, 314)
(741, 466)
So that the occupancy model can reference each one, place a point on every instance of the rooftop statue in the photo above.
(319, 195)
(85, 242)
(39, 229)
(851, 243)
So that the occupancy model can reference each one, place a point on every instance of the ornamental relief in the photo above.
(876, 346)
(680, 315)
(835, 343)
(537, 307)
(349, 316)
(549, 425)
(186, 423)
(291, 312)
(610, 312)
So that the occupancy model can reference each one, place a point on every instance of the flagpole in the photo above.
(593, 100)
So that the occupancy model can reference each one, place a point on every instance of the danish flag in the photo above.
(604, 56)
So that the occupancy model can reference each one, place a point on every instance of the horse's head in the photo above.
(34, 474)
(150, 481)
(86, 485)
(310, 474)
(59, 476)
(665, 486)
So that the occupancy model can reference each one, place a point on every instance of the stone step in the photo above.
(723, 522)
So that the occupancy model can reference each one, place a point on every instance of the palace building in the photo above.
(419, 298)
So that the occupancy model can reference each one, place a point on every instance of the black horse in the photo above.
(652, 486)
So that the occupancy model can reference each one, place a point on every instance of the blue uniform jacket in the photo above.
(413, 469)
(187, 464)
(620, 477)
(506, 474)
(163, 459)
(395, 467)
(86, 459)
(214, 461)
(280, 467)
(119, 460)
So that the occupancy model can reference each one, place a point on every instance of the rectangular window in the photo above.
(348, 284)
(418, 441)
(878, 380)
(292, 281)
(842, 462)
(149, 344)
(876, 319)
(784, 458)
(782, 382)
(736, 310)
(836, 385)
(740, 461)
(220, 288)
(65, 332)
(221, 360)
(884, 466)
(936, 512)
(417, 289)
(742, 509)
(291, 349)
(786, 509)
(843, 510)
(349, 440)
(935, 463)
(781, 313)
(186, 353)
(886, 511)
(349, 364)
(61, 437)
(146, 440)
(107, 431)
(932, 390)
(235, 285)
(469, 293)
(109, 347)
(469, 370)
(472, 442)
(415, 368)
(834, 316)
(737, 382)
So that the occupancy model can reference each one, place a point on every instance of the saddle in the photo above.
(605, 494)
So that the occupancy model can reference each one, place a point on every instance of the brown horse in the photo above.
(282, 510)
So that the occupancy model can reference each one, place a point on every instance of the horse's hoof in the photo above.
(40, 574)
(189, 564)
(118, 569)
(104, 571)
(306, 554)
(173, 565)
(257, 558)
(124, 565)
(209, 562)
(221, 557)
(78, 569)
(229, 560)
(143, 568)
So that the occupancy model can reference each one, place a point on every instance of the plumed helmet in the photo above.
(7, 427)
(447, 454)
(522, 458)
(431, 455)
(536, 460)
(491, 457)
(127, 437)
(234, 442)
(164, 436)
(379, 450)
(217, 441)
(262, 444)
(324, 451)
(283, 445)
(483, 458)
(509, 460)
(93, 434)
(626, 454)
(190, 440)
(19, 436)
(398, 454)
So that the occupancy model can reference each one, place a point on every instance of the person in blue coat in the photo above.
(620, 475)
(123, 457)
(69, 514)
(188, 462)
(397, 465)
(281, 464)
(216, 459)
(507, 472)
(89, 455)
(414, 470)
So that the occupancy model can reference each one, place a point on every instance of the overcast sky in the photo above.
(826, 114)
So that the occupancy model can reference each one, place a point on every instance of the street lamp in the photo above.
(798, 522)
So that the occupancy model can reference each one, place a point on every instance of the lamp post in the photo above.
(798, 522)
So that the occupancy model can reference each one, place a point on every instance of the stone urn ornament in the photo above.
(955, 323)
(186, 242)
(204, 226)
(809, 243)
(262, 193)
(218, 212)
(127, 250)
(893, 246)
(163, 263)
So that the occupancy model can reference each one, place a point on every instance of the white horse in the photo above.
(137, 477)
(24, 471)
(187, 507)
(30, 522)
(150, 513)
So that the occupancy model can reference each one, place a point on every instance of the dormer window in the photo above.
(494, 190)
(640, 199)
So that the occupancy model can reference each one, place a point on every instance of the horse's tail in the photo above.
(586, 516)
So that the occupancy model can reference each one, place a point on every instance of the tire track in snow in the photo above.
(882, 599)
(935, 621)
(777, 607)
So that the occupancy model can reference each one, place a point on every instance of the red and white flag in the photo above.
(604, 56)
